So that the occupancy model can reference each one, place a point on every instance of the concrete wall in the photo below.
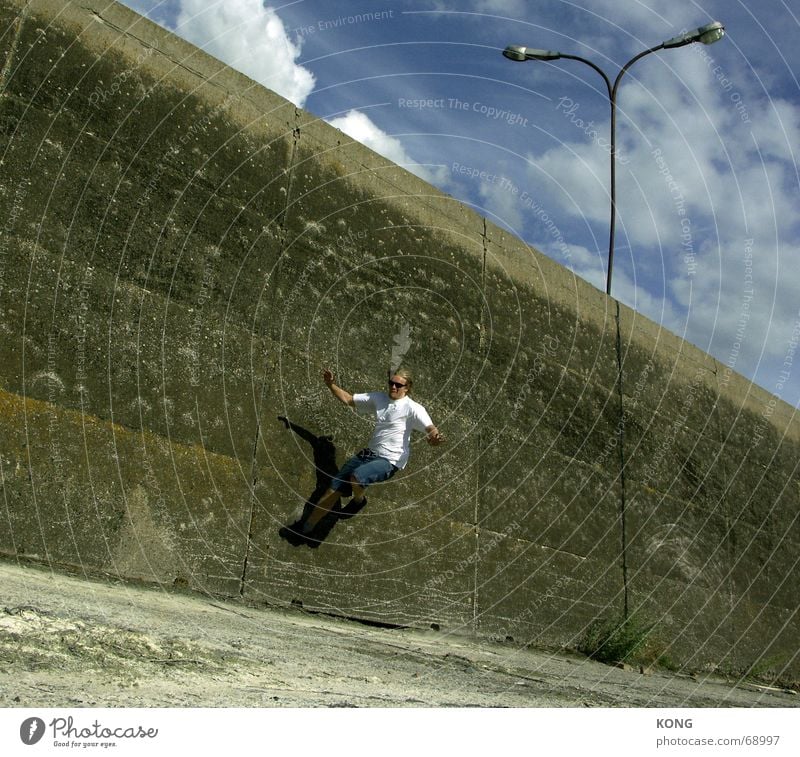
(183, 251)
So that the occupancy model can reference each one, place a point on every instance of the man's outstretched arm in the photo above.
(338, 392)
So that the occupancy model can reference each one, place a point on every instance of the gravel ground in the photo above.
(73, 642)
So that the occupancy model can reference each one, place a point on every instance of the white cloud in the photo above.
(579, 173)
(777, 135)
(363, 129)
(249, 38)
(582, 262)
(638, 12)
(501, 205)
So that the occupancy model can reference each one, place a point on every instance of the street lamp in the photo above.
(706, 34)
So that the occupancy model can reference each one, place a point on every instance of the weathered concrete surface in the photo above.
(183, 251)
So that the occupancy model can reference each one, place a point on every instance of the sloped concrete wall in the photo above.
(184, 251)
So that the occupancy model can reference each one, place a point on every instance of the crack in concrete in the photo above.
(147, 45)
(254, 478)
(476, 528)
(621, 446)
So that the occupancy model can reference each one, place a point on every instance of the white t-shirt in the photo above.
(394, 422)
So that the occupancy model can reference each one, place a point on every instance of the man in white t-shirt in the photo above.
(396, 415)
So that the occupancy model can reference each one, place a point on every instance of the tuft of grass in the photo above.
(769, 670)
(631, 640)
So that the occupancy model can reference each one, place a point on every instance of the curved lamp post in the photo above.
(706, 34)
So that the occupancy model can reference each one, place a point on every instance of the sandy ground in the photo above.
(71, 642)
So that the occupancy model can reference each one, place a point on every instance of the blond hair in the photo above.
(406, 374)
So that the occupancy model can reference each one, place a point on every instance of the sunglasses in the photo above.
(396, 385)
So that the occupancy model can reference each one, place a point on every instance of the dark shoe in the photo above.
(353, 508)
(294, 533)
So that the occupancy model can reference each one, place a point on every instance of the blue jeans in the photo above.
(366, 467)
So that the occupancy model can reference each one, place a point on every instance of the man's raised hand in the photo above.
(434, 437)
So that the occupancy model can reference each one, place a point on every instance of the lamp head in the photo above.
(515, 52)
(707, 34)
(521, 53)
(711, 33)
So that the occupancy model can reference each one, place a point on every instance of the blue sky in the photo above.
(708, 230)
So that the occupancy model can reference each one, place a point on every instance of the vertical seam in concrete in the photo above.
(253, 483)
(476, 500)
(729, 550)
(262, 393)
(18, 23)
(621, 445)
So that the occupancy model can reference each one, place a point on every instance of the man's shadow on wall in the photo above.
(325, 464)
